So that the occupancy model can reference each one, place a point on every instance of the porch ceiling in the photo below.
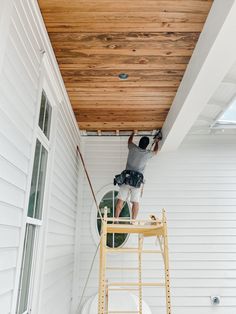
(94, 41)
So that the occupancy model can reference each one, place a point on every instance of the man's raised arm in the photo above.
(130, 140)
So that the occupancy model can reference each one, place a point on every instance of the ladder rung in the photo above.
(145, 284)
(122, 268)
(118, 312)
(131, 250)
(123, 289)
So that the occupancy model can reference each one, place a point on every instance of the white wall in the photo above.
(21, 75)
(197, 187)
(19, 80)
(60, 234)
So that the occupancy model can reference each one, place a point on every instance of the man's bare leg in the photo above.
(135, 209)
(119, 206)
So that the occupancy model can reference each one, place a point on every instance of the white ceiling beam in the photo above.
(229, 80)
(217, 103)
(212, 58)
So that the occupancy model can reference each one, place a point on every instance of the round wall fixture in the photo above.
(215, 300)
(123, 76)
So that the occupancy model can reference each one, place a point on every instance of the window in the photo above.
(35, 205)
(228, 117)
(37, 182)
(45, 115)
(109, 200)
(26, 268)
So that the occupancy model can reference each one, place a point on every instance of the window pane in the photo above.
(34, 180)
(26, 268)
(42, 110)
(41, 184)
(37, 182)
(47, 120)
(109, 200)
(45, 115)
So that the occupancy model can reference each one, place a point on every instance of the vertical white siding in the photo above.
(197, 187)
(20, 84)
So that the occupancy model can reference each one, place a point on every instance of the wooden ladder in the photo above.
(144, 228)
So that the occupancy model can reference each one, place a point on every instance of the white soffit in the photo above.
(214, 55)
(217, 107)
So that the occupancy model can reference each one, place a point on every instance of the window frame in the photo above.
(40, 224)
(93, 215)
(220, 125)
(23, 262)
(36, 222)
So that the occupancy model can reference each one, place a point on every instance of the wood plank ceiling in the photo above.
(150, 40)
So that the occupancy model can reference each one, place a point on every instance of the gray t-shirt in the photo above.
(138, 158)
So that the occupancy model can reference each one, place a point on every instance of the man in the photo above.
(137, 159)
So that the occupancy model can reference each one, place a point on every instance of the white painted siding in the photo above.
(60, 242)
(20, 84)
(197, 187)
(18, 97)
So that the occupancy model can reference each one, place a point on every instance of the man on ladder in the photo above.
(131, 179)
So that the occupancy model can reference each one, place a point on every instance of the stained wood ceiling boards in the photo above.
(150, 40)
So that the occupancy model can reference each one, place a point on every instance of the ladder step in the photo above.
(122, 268)
(123, 289)
(131, 250)
(118, 312)
(134, 284)
(136, 221)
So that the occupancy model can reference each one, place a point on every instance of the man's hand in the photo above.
(158, 135)
(155, 149)
(130, 140)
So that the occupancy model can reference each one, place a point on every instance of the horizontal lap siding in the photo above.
(60, 241)
(19, 87)
(19, 78)
(197, 187)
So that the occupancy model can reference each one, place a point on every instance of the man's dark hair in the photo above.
(143, 143)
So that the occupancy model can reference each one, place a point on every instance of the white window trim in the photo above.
(26, 201)
(93, 214)
(33, 221)
(48, 144)
(39, 242)
(53, 95)
(43, 139)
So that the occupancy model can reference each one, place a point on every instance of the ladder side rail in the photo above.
(166, 264)
(102, 268)
(140, 247)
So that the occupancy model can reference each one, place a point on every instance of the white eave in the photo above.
(214, 55)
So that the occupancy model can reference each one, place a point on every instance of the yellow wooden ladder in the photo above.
(144, 228)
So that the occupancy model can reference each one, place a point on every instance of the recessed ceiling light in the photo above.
(123, 76)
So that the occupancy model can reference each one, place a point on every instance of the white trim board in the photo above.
(52, 60)
(212, 58)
